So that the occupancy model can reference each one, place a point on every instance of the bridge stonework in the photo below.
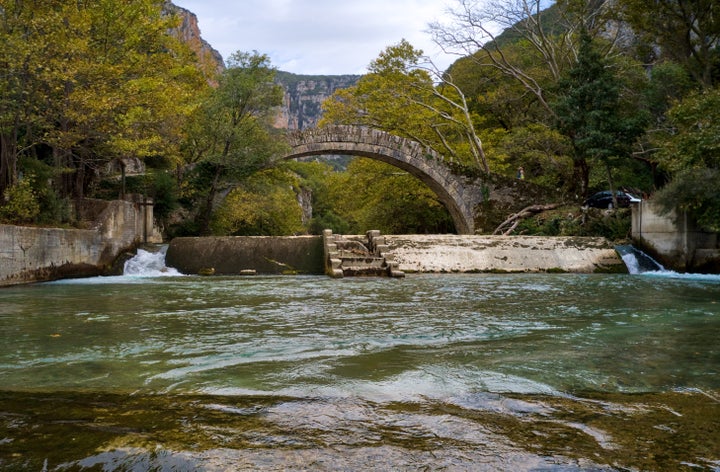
(459, 194)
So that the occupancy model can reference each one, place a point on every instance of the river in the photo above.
(154, 370)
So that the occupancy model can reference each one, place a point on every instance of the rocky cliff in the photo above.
(304, 95)
(189, 31)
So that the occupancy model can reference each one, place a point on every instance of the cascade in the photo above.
(149, 264)
(637, 261)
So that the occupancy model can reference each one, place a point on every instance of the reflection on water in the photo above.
(457, 372)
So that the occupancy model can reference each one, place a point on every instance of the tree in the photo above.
(549, 35)
(21, 203)
(399, 95)
(230, 137)
(88, 82)
(502, 101)
(20, 94)
(374, 195)
(264, 204)
(591, 114)
(687, 31)
(542, 151)
(689, 150)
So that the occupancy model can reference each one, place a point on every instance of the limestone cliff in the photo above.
(189, 31)
(304, 95)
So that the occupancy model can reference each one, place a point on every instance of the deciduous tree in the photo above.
(405, 94)
(264, 204)
(230, 136)
(689, 150)
(686, 31)
(549, 36)
(87, 82)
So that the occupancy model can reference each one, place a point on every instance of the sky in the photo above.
(319, 37)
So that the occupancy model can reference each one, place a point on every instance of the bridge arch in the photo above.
(410, 156)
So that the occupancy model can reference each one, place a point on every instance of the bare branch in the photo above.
(509, 225)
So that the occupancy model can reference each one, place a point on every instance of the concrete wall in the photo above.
(35, 254)
(39, 254)
(234, 254)
(413, 253)
(674, 239)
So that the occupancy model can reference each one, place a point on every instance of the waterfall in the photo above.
(149, 264)
(638, 262)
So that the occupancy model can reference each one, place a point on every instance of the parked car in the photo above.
(604, 199)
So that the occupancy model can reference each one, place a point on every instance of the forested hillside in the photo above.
(583, 96)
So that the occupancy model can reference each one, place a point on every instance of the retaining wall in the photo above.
(454, 253)
(674, 239)
(30, 254)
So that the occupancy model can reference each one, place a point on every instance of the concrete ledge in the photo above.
(453, 253)
(36, 254)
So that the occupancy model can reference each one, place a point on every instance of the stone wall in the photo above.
(39, 254)
(413, 253)
(674, 239)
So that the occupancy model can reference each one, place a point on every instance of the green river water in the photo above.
(541, 372)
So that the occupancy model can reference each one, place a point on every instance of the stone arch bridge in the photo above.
(460, 194)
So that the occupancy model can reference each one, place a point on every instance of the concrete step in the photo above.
(352, 257)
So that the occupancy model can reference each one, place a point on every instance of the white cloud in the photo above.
(318, 36)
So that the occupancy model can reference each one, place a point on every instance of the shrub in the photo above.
(20, 204)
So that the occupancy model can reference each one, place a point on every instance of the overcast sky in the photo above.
(318, 36)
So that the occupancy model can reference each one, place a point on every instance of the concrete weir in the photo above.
(408, 253)
(240, 255)
(460, 253)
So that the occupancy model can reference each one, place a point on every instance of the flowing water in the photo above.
(552, 372)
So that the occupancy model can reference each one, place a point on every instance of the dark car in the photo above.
(604, 200)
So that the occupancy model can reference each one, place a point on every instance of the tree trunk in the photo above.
(611, 184)
(8, 162)
(581, 172)
(205, 215)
